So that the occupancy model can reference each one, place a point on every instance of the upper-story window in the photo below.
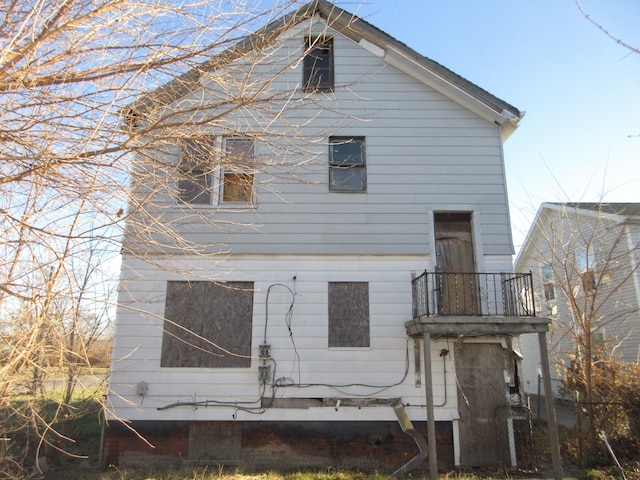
(239, 170)
(205, 179)
(347, 166)
(318, 65)
(196, 170)
(585, 263)
(548, 282)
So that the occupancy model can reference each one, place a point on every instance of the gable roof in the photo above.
(622, 209)
(624, 212)
(391, 50)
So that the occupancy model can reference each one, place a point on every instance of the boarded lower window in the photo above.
(348, 314)
(207, 324)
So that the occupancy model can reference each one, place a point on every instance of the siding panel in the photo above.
(424, 153)
(299, 341)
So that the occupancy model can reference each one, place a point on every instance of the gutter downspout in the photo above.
(407, 427)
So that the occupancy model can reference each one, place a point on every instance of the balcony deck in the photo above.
(474, 304)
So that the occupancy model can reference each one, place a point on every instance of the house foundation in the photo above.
(365, 446)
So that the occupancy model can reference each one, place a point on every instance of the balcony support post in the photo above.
(552, 422)
(431, 421)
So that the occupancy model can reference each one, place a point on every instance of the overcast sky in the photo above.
(580, 138)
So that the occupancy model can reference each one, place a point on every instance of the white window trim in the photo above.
(217, 178)
(221, 174)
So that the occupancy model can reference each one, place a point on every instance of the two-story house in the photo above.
(584, 258)
(303, 267)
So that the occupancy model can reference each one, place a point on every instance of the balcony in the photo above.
(473, 294)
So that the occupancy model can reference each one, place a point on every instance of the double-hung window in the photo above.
(585, 262)
(548, 282)
(239, 170)
(347, 166)
(318, 65)
(196, 170)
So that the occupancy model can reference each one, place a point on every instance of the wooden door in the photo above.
(482, 394)
(455, 265)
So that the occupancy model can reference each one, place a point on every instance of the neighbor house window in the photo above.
(239, 168)
(548, 283)
(348, 314)
(207, 324)
(549, 288)
(347, 167)
(318, 65)
(195, 182)
(585, 262)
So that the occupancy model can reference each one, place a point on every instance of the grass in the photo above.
(82, 423)
(74, 428)
(219, 473)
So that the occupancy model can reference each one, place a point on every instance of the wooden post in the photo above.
(552, 422)
(431, 421)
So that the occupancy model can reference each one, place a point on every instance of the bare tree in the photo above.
(606, 31)
(586, 256)
(70, 72)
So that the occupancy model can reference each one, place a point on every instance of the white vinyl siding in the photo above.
(618, 311)
(302, 353)
(424, 152)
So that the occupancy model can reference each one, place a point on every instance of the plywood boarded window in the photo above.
(348, 314)
(207, 324)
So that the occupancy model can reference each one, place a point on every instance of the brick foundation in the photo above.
(367, 446)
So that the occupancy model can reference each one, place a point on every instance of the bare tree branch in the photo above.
(605, 31)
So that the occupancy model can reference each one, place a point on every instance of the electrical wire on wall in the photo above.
(444, 354)
(262, 404)
(287, 382)
(288, 323)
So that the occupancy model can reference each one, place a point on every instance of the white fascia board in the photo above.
(587, 212)
(529, 237)
(371, 48)
(305, 27)
(410, 67)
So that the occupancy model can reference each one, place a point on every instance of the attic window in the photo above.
(318, 65)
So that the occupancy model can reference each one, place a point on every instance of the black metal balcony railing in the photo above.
(473, 294)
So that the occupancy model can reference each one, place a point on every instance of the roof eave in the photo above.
(498, 113)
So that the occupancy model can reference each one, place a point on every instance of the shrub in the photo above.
(613, 407)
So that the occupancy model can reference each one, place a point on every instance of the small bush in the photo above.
(612, 408)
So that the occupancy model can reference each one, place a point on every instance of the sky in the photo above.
(580, 89)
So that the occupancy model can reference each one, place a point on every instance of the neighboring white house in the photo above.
(584, 258)
(277, 318)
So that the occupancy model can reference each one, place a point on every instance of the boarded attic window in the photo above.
(207, 325)
(318, 65)
(348, 314)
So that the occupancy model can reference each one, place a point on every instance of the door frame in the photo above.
(476, 235)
